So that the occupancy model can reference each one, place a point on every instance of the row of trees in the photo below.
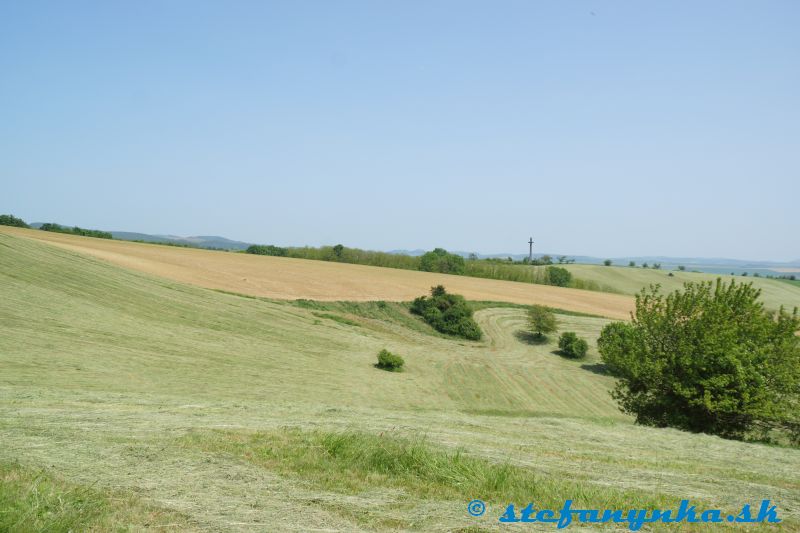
(11, 220)
(437, 260)
(75, 230)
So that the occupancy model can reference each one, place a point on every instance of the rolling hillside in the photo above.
(287, 278)
(178, 396)
(626, 280)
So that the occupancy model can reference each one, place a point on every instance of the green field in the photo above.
(137, 403)
(630, 280)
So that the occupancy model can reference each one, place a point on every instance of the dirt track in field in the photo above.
(286, 278)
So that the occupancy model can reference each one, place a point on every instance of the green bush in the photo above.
(708, 359)
(558, 276)
(389, 361)
(447, 313)
(11, 220)
(541, 321)
(267, 249)
(440, 260)
(572, 346)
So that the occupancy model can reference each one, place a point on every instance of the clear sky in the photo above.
(600, 128)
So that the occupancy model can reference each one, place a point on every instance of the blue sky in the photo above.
(600, 128)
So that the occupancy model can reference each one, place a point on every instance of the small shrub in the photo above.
(389, 361)
(572, 346)
(607, 262)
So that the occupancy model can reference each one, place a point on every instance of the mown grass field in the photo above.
(288, 278)
(629, 280)
(204, 410)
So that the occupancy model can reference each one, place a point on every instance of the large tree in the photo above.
(707, 359)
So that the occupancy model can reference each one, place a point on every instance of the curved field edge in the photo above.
(291, 279)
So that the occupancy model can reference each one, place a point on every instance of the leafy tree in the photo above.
(541, 321)
(707, 359)
(447, 313)
(337, 251)
(657, 266)
(440, 260)
(681, 268)
(572, 346)
(632, 263)
(389, 361)
(11, 220)
(607, 262)
(267, 249)
(558, 276)
(645, 265)
(473, 256)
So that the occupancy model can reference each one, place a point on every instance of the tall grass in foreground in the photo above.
(33, 500)
(355, 462)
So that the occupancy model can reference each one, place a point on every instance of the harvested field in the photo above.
(286, 278)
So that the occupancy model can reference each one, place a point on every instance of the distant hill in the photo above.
(199, 241)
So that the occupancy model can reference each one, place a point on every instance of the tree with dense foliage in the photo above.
(338, 250)
(572, 346)
(707, 359)
(440, 260)
(631, 263)
(267, 249)
(607, 262)
(447, 313)
(558, 276)
(541, 321)
(11, 220)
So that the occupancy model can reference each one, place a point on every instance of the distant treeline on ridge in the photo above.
(11, 220)
(438, 260)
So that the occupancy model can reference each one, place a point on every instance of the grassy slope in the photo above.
(289, 279)
(628, 280)
(104, 372)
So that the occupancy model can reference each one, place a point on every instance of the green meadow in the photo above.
(129, 402)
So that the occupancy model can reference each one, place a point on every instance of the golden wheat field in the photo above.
(287, 278)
